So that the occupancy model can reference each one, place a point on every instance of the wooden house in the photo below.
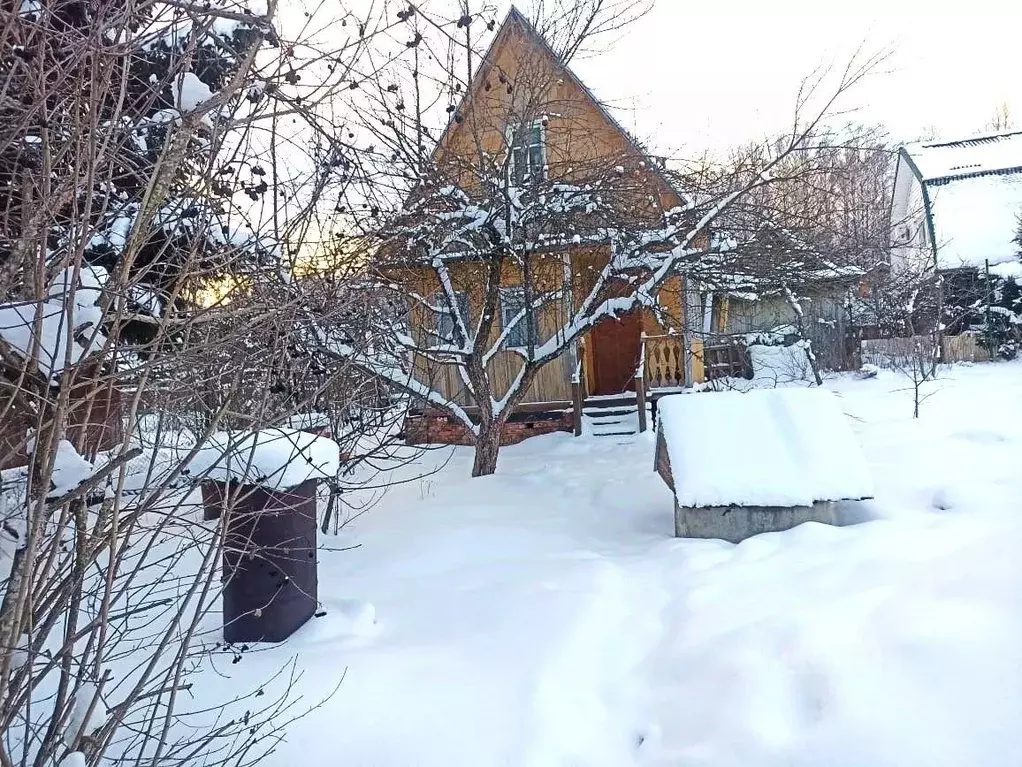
(789, 283)
(525, 105)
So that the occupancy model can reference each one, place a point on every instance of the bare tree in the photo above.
(837, 200)
(1003, 118)
(919, 366)
(169, 168)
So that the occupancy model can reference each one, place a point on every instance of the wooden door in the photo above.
(615, 344)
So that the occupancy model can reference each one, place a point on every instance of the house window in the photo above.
(444, 321)
(528, 152)
(512, 301)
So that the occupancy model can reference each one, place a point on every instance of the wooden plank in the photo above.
(640, 401)
(576, 400)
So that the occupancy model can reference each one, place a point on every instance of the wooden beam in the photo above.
(576, 398)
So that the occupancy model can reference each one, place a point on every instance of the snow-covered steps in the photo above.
(615, 416)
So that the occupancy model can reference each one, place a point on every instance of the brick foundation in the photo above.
(438, 429)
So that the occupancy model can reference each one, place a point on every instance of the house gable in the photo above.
(521, 81)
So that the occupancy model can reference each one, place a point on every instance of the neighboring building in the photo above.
(957, 203)
(761, 304)
(956, 209)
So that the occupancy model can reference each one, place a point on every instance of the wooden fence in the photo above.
(890, 352)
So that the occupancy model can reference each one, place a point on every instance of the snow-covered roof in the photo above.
(1010, 270)
(975, 219)
(775, 447)
(759, 262)
(973, 156)
(975, 191)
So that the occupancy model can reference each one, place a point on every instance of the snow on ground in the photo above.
(545, 617)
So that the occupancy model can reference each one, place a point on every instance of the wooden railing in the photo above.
(664, 361)
(726, 357)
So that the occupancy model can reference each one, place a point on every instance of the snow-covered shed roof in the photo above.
(61, 329)
(768, 447)
(973, 156)
(975, 191)
(976, 219)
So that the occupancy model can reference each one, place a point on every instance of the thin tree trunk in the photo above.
(487, 448)
(800, 326)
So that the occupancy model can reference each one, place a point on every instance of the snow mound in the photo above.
(779, 447)
(774, 365)
(274, 458)
(69, 470)
(64, 325)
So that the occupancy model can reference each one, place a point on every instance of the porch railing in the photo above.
(663, 358)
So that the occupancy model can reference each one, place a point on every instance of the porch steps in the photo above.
(615, 416)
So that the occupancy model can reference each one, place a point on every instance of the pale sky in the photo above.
(707, 75)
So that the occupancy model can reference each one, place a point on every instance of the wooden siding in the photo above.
(552, 383)
(520, 81)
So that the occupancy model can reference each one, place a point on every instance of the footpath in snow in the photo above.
(545, 617)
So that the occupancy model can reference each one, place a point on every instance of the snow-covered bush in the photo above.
(148, 248)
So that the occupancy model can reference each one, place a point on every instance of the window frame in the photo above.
(518, 130)
(528, 327)
(446, 335)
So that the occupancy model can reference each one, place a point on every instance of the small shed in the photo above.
(741, 464)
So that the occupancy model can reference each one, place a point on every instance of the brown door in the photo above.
(615, 344)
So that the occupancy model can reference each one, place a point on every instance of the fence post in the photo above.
(640, 401)
(576, 405)
(640, 383)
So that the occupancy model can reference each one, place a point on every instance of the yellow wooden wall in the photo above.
(582, 142)
(552, 384)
